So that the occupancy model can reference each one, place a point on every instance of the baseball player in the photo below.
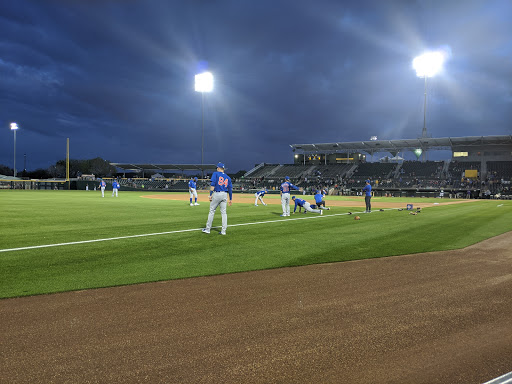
(102, 187)
(319, 200)
(192, 188)
(304, 204)
(115, 188)
(259, 195)
(285, 196)
(219, 188)
(367, 190)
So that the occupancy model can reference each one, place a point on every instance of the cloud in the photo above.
(117, 76)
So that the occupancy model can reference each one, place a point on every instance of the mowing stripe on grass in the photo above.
(168, 233)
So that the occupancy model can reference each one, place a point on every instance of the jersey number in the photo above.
(223, 181)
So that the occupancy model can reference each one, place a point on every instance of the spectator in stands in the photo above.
(367, 190)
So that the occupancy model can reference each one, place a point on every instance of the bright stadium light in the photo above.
(14, 128)
(203, 83)
(428, 65)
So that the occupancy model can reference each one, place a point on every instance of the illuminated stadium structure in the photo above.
(464, 149)
(479, 167)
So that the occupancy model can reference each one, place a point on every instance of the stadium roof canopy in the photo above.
(164, 167)
(393, 146)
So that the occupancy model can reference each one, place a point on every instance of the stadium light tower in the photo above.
(14, 128)
(427, 65)
(203, 83)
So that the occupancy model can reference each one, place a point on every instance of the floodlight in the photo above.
(14, 128)
(204, 82)
(428, 64)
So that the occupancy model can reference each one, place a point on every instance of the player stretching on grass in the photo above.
(192, 188)
(219, 189)
(304, 204)
(319, 200)
(285, 196)
(259, 195)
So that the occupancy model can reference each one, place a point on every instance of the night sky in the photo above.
(117, 77)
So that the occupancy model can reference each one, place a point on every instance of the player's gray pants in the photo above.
(258, 196)
(114, 192)
(285, 203)
(307, 207)
(368, 201)
(102, 191)
(218, 198)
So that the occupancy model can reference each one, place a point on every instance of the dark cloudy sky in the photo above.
(117, 77)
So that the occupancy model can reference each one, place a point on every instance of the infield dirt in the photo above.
(440, 317)
(352, 201)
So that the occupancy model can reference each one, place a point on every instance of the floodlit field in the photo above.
(131, 239)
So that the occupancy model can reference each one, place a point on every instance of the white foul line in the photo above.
(505, 379)
(166, 233)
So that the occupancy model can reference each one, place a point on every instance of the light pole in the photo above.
(203, 83)
(427, 65)
(14, 128)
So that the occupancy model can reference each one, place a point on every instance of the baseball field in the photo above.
(129, 289)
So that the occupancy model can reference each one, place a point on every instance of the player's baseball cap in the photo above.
(221, 165)
(368, 181)
(195, 178)
(293, 197)
(287, 178)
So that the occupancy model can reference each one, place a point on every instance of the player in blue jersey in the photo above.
(367, 190)
(319, 200)
(259, 195)
(192, 188)
(304, 204)
(115, 188)
(102, 187)
(219, 188)
(285, 195)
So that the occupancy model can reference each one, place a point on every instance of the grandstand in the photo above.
(480, 167)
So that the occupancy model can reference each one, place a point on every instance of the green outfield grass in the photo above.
(34, 218)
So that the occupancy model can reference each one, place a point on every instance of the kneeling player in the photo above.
(319, 199)
(304, 204)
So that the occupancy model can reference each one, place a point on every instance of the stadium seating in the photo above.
(427, 169)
